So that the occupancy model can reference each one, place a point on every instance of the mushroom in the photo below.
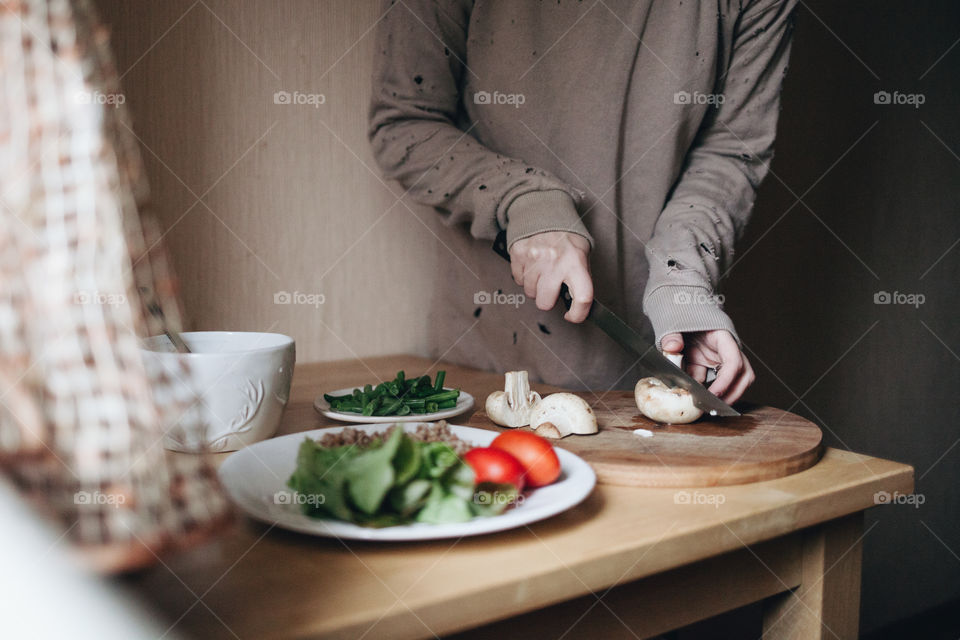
(671, 405)
(512, 406)
(560, 414)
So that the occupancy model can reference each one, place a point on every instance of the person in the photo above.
(618, 144)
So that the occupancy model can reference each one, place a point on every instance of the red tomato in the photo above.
(536, 454)
(495, 465)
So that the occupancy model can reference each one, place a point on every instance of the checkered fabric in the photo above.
(82, 278)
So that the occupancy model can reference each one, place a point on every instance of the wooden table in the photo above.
(631, 562)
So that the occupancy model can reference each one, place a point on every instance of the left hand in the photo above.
(713, 350)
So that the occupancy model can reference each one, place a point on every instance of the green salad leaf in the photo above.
(395, 480)
(370, 474)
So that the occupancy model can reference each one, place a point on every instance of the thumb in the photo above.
(672, 343)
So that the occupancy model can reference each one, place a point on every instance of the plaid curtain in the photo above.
(82, 278)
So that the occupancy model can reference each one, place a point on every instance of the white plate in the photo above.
(464, 404)
(253, 476)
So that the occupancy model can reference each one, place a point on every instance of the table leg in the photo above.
(826, 605)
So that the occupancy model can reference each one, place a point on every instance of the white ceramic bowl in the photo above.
(237, 387)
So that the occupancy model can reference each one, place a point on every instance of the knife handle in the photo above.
(500, 248)
(500, 245)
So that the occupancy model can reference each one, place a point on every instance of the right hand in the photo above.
(542, 262)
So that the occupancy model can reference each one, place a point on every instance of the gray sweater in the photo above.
(645, 126)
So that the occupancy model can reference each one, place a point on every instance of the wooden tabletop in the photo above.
(259, 581)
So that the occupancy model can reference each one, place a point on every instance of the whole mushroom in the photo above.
(660, 403)
(512, 406)
(561, 414)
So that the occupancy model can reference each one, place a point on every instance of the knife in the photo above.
(651, 362)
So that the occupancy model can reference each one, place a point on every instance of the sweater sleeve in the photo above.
(709, 206)
(419, 75)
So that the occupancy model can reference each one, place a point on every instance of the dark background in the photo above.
(880, 379)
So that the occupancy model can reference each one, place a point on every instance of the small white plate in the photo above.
(464, 404)
(254, 476)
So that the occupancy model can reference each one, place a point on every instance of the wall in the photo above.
(288, 197)
(288, 204)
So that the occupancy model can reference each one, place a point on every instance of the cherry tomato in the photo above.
(495, 465)
(536, 454)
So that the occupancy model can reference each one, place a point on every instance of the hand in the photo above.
(542, 262)
(713, 350)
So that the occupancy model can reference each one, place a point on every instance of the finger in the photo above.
(516, 268)
(672, 343)
(731, 362)
(696, 354)
(742, 384)
(581, 293)
(697, 372)
(530, 280)
(548, 289)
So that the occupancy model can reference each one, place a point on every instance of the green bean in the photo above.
(372, 406)
(348, 408)
(390, 406)
(443, 395)
(400, 396)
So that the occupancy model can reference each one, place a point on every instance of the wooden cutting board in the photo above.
(762, 444)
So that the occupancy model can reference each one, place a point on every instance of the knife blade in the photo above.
(651, 362)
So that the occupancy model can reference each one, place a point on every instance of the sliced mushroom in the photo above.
(512, 406)
(561, 414)
(660, 403)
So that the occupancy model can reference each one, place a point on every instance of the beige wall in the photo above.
(287, 200)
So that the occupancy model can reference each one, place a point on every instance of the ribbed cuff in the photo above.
(541, 211)
(681, 309)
